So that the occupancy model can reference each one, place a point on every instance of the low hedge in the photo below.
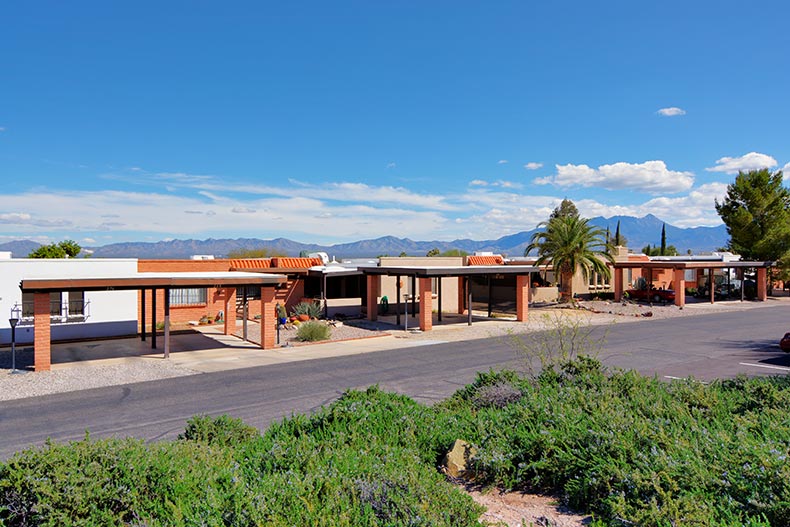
(629, 449)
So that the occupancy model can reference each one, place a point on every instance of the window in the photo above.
(188, 297)
(253, 293)
(55, 305)
(76, 303)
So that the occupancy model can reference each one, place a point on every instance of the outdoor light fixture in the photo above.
(13, 322)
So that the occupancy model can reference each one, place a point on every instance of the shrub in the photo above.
(313, 331)
(223, 430)
(312, 309)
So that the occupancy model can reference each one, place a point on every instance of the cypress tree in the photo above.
(663, 240)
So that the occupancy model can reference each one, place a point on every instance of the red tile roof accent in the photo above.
(251, 263)
(485, 260)
(295, 263)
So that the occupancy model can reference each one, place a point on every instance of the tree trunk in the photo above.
(566, 291)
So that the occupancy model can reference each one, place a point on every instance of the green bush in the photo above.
(631, 449)
(223, 430)
(313, 331)
(312, 309)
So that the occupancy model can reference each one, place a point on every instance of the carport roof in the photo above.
(689, 264)
(137, 281)
(458, 270)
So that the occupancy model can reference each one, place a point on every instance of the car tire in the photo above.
(656, 299)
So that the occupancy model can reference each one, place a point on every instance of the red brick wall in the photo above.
(42, 356)
(290, 295)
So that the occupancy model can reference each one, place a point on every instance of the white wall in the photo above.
(110, 313)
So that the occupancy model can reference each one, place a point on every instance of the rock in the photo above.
(456, 461)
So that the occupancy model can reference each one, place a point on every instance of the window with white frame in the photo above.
(192, 296)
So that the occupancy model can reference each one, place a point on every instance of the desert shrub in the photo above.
(312, 309)
(313, 331)
(124, 482)
(631, 449)
(223, 430)
(636, 450)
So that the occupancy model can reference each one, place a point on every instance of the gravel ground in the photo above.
(342, 331)
(30, 384)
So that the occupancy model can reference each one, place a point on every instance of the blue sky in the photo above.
(336, 121)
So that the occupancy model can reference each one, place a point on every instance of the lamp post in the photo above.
(13, 322)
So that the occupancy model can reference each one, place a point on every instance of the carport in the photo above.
(679, 268)
(421, 278)
(225, 281)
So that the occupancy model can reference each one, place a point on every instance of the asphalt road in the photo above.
(706, 347)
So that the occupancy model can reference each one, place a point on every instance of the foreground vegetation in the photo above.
(629, 449)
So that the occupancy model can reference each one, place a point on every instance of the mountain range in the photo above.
(637, 231)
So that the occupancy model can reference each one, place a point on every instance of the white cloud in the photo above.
(786, 170)
(88, 240)
(391, 165)
(672, 111)
(209, 186)
(750, 161)
(533, 166)
(498, 183)
(502, 162)
(2, 128)
(242, 210)
(652, 177)
(14, 217)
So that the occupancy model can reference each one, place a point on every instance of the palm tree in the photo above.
(570, 244)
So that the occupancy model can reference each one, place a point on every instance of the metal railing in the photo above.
(59, 312)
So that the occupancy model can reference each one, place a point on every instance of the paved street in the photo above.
(706, 346)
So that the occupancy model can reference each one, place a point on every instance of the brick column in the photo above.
(42, 354)
(522, 298)
(680, 287)
(268, 318)
(230, 310)
(461, 296)
(426, 304)
(762, 290)
(618, 283)
(373, 296)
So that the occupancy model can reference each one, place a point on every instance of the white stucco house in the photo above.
(74, 315)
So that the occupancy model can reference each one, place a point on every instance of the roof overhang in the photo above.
(695, 264)
(138, 281)
(459, 270)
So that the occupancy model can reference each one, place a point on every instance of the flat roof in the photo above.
(137, 281)
(454, 270)
(689, 264)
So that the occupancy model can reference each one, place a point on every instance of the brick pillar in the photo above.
(268, 318)
(230, 310)
(373, 296)
(522, 298)
(426, 304)
(762, 290)
(42, 354)
(618, 283)
(461, 296)
(680, 287)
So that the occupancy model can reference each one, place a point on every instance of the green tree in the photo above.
(570, 244)
(756, 211)
(64, 249)
(564, 209)
(664, 240)
(262, 252)
(454, 252)
(403, 254)
(433, 252)
(670, 250)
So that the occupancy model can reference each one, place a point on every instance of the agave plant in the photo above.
(311, 309)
